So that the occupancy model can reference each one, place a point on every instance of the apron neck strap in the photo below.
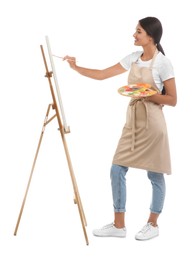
(154, 56)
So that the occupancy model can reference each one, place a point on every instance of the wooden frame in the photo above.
(63, 130)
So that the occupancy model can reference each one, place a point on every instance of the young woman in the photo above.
(144, 140)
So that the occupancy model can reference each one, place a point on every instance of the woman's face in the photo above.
(141, 37)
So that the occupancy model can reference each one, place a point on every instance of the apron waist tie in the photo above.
(133, 104)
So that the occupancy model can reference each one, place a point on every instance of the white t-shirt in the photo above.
(162, 68)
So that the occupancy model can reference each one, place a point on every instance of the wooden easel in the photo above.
(77, 199)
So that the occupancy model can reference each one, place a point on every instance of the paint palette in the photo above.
(137, 90)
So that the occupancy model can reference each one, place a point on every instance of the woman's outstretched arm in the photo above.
(95, 73)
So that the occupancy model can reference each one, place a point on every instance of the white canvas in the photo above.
(61, 107)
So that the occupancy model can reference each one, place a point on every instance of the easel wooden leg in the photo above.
(77, 199)
(62, 126)
(46, 121)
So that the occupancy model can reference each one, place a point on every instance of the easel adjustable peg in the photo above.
(63, 130)
(49, 74)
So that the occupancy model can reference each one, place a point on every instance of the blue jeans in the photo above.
(118, 183)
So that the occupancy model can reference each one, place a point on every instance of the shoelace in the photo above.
(146, 228)
(107, 226)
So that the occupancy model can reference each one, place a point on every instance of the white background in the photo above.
(99, 34)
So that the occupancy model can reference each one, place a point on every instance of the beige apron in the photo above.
(144, 140)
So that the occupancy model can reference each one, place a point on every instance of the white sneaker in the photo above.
(110, 231)
(147, 232)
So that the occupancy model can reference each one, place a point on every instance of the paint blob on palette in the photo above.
(137, 90)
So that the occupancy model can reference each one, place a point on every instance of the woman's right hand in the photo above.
(98, 74)
(71, 61)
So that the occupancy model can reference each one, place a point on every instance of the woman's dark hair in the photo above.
(153, 28)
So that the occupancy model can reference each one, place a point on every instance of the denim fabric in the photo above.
(158, 191)
(118, 183)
